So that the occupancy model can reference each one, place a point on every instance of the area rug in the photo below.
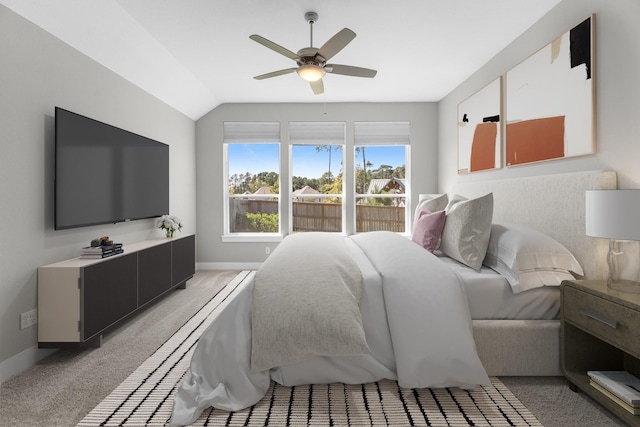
(145, 398)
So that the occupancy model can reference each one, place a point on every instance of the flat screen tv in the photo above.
(104, 174)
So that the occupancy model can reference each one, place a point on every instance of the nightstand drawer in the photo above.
(611, 322)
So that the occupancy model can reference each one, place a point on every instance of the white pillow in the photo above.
(467, 229)
(433, 202)
(529, 258)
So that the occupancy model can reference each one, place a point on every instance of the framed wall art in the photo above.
(479, 133)
(550, 100)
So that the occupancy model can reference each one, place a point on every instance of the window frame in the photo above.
(317, 134)
(250, 133)
(383, 134)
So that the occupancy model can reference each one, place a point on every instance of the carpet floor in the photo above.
(70, 387)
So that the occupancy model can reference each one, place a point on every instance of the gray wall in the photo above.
(212, 252)
(617, 91)
(37, 73)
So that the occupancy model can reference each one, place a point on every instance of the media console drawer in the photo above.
(611, 322)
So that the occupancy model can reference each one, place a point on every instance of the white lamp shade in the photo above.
(613, 214)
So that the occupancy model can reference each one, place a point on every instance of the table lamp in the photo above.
(615, 215)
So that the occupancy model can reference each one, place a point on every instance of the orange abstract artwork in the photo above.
(483, 147)
(535, 140)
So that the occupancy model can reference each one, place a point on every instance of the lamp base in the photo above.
(624, 286)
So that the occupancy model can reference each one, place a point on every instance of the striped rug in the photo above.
(145, 398)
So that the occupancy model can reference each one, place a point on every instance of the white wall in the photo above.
(211, 251)
(37, 73)
(617, 93)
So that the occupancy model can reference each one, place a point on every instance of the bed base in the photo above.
(518, 347)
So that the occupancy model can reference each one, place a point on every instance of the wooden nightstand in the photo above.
(600, 331)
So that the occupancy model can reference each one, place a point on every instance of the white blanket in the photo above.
(416, 322)
(306, 302)
(427, 312)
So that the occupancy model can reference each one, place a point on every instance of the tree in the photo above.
(399, 172)
(382, 172)
(365, 164)
(269, 178)
(334, 188)
(329, 149)
(247, 183)
(299, 182)
(361, 180)
(239, 184)
(379, 201)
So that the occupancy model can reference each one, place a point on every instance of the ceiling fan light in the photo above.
(310, 72)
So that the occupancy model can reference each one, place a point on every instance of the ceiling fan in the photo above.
(312, 61)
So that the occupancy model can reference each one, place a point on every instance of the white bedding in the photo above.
(300, 312)
(415, 317)
(491, 298)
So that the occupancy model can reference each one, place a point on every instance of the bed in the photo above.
(424, 319)
(553, 205)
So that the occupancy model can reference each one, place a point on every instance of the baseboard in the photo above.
(22, 361)
(228, 265)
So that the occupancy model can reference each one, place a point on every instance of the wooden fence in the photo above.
(379, 218)
(314, 216)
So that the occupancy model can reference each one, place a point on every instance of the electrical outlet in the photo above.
(267, 250)
(28, 318)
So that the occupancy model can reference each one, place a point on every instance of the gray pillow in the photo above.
(467, 229)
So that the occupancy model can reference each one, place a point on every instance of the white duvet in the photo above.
(415, 317)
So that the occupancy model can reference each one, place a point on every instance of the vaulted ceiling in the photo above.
(196, 54)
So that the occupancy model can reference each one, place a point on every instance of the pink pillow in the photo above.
(428, 229)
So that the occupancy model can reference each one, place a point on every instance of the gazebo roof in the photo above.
(306, 190)
(263, 190)
(381, 184)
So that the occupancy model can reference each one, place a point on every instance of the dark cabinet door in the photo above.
(184, 259)
(154, 272)
(109, 292)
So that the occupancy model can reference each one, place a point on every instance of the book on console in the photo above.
(621, 383)
(616, 399)
(101, 249)
(99, 255)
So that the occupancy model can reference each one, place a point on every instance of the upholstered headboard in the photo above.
(552, 204)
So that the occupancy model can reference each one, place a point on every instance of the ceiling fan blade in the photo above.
(275, 73)
(317, 87)
(348, 70)
(275, 47)
(336, 43)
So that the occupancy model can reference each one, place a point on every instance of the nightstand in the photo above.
(600, 331)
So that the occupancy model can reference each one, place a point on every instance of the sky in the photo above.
(307, 162)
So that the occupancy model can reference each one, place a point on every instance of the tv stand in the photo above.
(80, 299)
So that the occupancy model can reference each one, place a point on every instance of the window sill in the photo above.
(270, 237)
(251, 238)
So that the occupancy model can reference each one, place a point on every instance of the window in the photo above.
(382, 154)
(333, 184)
(316, 190)
(252, 177)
